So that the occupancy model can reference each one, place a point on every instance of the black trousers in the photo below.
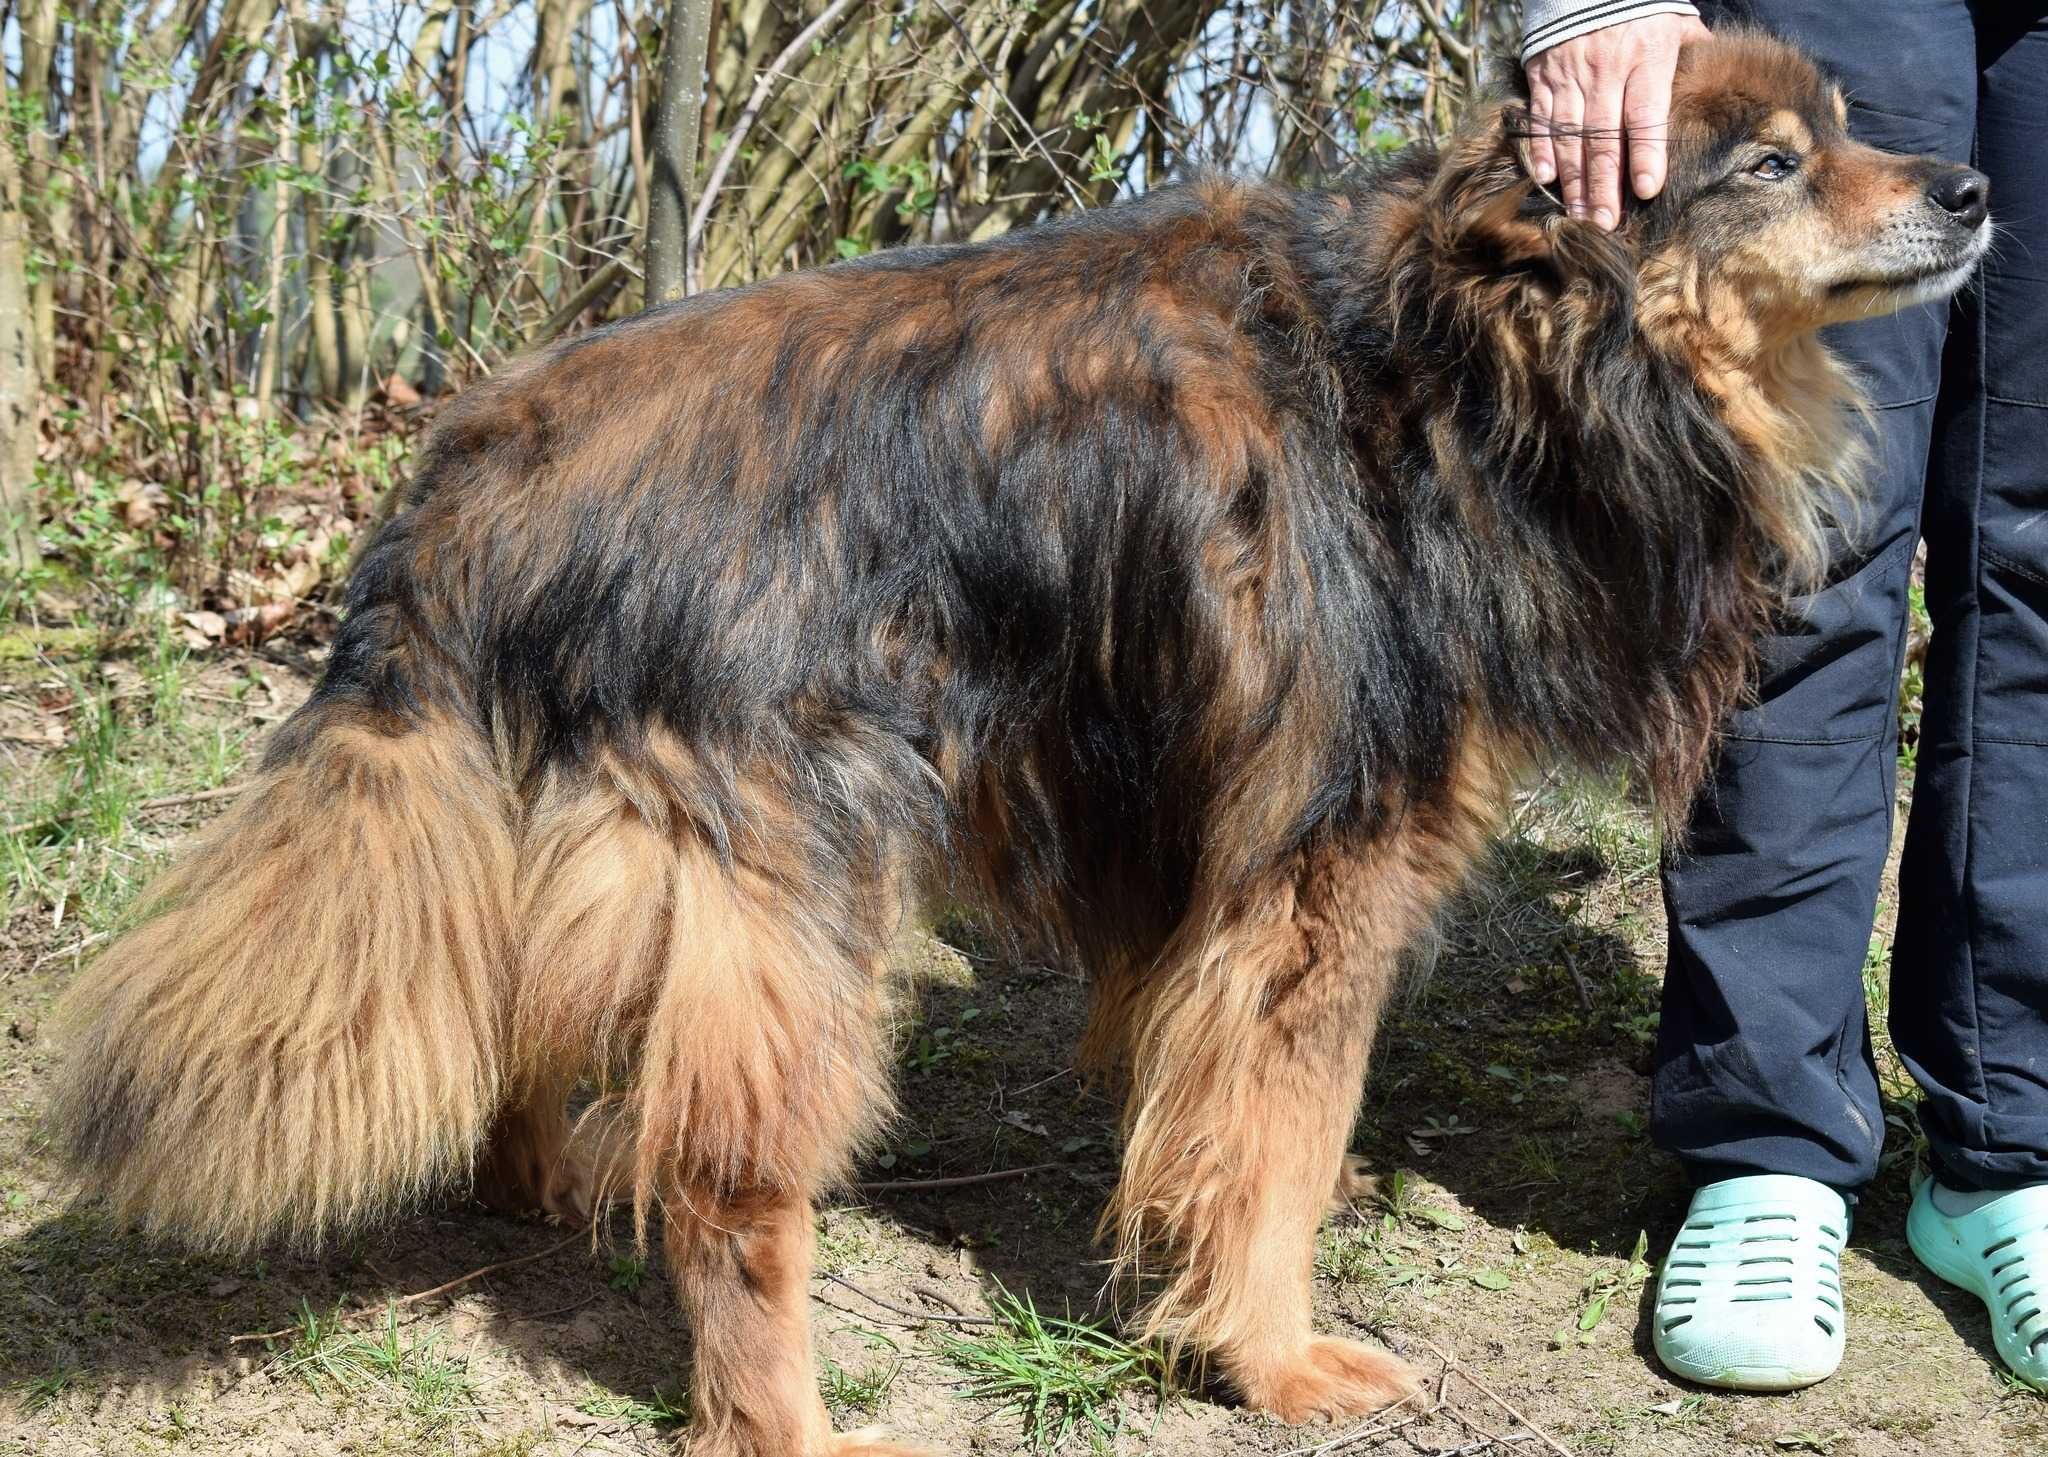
(1763, 1060)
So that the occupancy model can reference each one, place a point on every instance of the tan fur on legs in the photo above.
(1355, 1182)
(761, 1069)
(1116, 997)
(1248, 1072)
(1250, 1059)
(741, 1262)
(534, 1162)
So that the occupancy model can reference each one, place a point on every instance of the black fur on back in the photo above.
(1123, 555)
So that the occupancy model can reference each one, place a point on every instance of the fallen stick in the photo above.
(957, 1181)
(148, 806)
(447, 1285)
(1453, 1363)
(1571, 964)
(940, 1297)
(1379, 1426)
(558, 1310)
(920, 1315)
(442, 1289)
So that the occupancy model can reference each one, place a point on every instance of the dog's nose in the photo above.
(1964, 194)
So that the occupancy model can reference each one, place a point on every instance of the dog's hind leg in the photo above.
(534, 1162)
(1249, 1064)
(596, 879)
(763, 1068)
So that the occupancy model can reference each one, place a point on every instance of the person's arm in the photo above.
(1600, 92)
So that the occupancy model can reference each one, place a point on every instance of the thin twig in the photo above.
(442, 1289)
(1571, 964)
(593, 288)
(558, 1310)
(942, 1298)
(284, 1330)
(169, 801)
(1447, 37)
(1003, 91)
(770, 73)
(868, 1316)
(1490, 1438)
(956, 1181)
(1494, 1396)
(913, 1314)
(74, 949)
(1030, 1087)
(1379, 1426)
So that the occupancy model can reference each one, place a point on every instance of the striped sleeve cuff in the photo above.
(1546, 23)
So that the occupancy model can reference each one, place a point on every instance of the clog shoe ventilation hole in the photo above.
(1769, 1281)
(2017, 1292)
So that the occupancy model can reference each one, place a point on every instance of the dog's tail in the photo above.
(305, 1029)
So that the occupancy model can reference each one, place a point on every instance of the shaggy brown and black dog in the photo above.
(1186, 583)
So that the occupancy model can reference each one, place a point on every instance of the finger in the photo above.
(1567, 118)
(1542, 156)
(1603, 154)
(1646, 113)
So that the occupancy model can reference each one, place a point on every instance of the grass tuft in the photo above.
(857, 1393)
(660, 1410)
(433, 1388)
(1062, 1376)
(44, 1391)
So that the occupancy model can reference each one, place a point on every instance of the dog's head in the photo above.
(1773, 222)
(1773, 212)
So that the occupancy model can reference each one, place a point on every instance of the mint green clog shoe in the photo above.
(1750, 1297)
(1996, 1247)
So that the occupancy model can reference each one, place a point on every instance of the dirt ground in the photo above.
(1505, 1113)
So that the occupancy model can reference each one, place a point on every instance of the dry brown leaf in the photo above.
(254, 624)
(141, 503)
(210, 626)
(298, 579)
(398, 391)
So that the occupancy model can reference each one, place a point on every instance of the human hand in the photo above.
(1599, 97)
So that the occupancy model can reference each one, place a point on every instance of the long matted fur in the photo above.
(1187, 583)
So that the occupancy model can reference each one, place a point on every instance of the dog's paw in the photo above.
(561, 1183)
(1355, 1181)
(1328, 1380)
(570, 1195)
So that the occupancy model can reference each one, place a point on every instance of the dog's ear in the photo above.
(1487, 216)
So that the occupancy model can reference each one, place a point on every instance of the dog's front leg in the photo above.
(1250, 1057)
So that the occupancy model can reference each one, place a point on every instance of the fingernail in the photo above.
(1645, 183)
(1603, 217)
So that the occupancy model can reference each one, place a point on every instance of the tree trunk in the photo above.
(683, 41)
(270, 357)
(19, 380)
(38, 46)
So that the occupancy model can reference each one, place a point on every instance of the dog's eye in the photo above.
(1775, 167)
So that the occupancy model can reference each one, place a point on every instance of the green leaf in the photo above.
(1490, 1279)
